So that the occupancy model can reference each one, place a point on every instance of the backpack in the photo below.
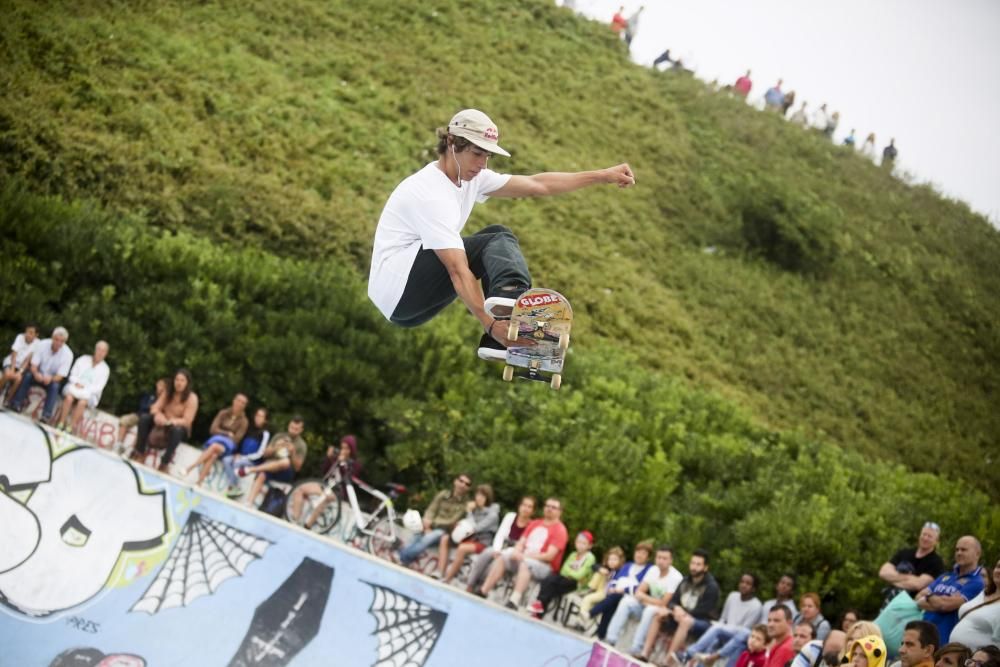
(274, 502)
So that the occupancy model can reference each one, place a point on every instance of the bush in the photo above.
(795, 232)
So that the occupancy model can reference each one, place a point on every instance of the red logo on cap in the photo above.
(491, 134)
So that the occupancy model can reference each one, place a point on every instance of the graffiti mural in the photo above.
(78, 507)
(406, 629)
(288, 620)
(206, 554)
(105, 563)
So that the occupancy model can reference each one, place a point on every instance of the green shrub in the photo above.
(795, 232)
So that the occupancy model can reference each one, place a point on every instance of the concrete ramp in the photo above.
(105, 563)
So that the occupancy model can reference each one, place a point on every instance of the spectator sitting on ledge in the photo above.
(146, 401)
(537, 554)
(484, 517)
(575, 572)
(227, 430)
(17, 362)
(87, 380)
(251, 449)
(169, 420)
(694, 603)
(740, 611)
(447, 508)
(510, 531)
(283, 457)
(50, 364)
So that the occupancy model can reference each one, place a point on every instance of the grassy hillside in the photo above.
(836, 300)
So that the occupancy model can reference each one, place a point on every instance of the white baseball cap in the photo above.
(477, 127)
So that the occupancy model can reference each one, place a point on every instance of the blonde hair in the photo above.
(861, 629)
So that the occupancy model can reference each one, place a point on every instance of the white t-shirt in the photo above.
(979, 625)
(425, 211)
(22, 349)
(660, 585)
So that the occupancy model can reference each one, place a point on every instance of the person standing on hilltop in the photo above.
(420, 261)
(774, 98)
(743, 85)
(618, 21)
(889, 154)
(632, 26)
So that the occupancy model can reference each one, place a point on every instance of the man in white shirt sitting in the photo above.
(420, 261)
(654, 593)
(50, 364)
(87, 380)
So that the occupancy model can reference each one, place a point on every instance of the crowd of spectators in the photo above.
(775, 99)
(931, 614)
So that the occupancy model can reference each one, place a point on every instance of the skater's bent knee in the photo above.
(496, 229)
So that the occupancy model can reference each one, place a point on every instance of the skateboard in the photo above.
(538, 337)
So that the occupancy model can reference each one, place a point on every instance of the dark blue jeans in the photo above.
(606, 608)
(51, 395)
(494, 258)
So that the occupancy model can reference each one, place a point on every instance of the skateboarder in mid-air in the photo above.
(420, 261)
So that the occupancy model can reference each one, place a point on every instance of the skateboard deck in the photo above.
(538, 337)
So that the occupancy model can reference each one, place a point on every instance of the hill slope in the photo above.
(836, 300)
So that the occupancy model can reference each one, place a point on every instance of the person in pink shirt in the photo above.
(743, 84)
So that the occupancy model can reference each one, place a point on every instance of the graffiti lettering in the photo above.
(83, 625)
(84, 510)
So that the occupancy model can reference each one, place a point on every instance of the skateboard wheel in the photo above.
(508, 373)
(512, 331)
(564, 341)
(556, 381)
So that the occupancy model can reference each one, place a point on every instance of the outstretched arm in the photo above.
(557, 183)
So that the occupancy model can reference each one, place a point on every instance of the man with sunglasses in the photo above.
(420, 261)
(913, 569)
(447, 509)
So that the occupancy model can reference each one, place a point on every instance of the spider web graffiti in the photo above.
(406, 629)
(206, 554)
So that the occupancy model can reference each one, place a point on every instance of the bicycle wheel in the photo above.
(313, 494)
(382, 540)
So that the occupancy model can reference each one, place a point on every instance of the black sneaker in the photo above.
(490, 343)
(489, 349)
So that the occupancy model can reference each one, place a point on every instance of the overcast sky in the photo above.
(926, 72)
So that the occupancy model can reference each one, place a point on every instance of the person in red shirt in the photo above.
(779, 627)
(743, 84)
(537, 554)
(618, 21)
(756, 653)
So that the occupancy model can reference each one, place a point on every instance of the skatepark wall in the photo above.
(105, 562)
